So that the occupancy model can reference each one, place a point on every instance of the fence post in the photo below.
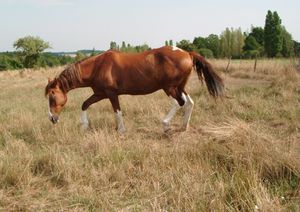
(228, 64)
(255, 63)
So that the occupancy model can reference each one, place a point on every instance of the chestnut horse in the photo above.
(114, 73)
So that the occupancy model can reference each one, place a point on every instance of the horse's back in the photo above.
(156, 59)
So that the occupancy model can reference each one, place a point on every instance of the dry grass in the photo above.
(239, 154)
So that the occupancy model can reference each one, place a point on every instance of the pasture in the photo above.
(240, 153)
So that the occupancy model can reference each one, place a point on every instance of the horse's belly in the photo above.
(139, 90)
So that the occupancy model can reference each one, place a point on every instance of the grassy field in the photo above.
(241, 153)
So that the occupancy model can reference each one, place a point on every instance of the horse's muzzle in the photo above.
(53, 118)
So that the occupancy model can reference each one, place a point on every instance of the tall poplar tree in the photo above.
(273, 34)
(278, 39)
(269, 33)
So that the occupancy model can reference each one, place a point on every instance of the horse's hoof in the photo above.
(121, 131)
(166, 126)
(184, 128)
(85, 126)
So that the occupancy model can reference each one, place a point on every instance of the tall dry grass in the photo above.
(239, 154)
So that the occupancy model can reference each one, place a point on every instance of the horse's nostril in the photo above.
(53, 119)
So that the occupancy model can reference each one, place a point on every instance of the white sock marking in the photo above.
(183, 97)
(50, 114)
(188, 108)
(84, 119)
(120, 123)
(170, 115)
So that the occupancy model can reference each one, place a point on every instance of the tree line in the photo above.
(272, 40)
(128, 47)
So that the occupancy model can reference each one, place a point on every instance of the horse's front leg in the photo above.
(91, 100)
(114, 100)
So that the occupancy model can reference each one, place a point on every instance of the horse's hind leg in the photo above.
(170, 115)
(178, 101)
(188, 109)
(113, 98)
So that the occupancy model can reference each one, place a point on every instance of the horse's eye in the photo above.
(52, 92)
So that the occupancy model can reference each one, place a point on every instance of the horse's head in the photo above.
(57, 99)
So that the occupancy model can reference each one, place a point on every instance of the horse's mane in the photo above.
(69, 77)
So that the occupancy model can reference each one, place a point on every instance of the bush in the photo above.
(13, 61)
(250, 54)
(48, 60)
(9, 61)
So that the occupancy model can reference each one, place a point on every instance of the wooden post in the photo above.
(228, 64)
(255, 63)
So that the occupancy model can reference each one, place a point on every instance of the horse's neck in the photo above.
(70, 78)
(82, 73)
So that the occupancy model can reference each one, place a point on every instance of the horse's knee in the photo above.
(85, 106)
(180, 101)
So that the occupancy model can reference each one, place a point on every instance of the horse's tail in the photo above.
(213, 81)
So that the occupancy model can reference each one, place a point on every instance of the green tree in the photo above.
(199, 42)
(213, 43)
(273, 34)
(169, 43)
(113, 45)
(251, 43)
(231, 43)
(251, 48)
(277, 33)
(142, 48)
(297, 48)
(269, 31)
(287, 44)
(123, 47)
(186, 45)
(31, 49)
(254, 43)
(238, 43)
(259, 34)
(226, 43)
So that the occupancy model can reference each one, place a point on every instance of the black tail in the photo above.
(214, 82)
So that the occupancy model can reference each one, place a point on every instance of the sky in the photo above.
(71, 25)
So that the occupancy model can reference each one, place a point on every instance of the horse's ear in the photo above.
(49, 80)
